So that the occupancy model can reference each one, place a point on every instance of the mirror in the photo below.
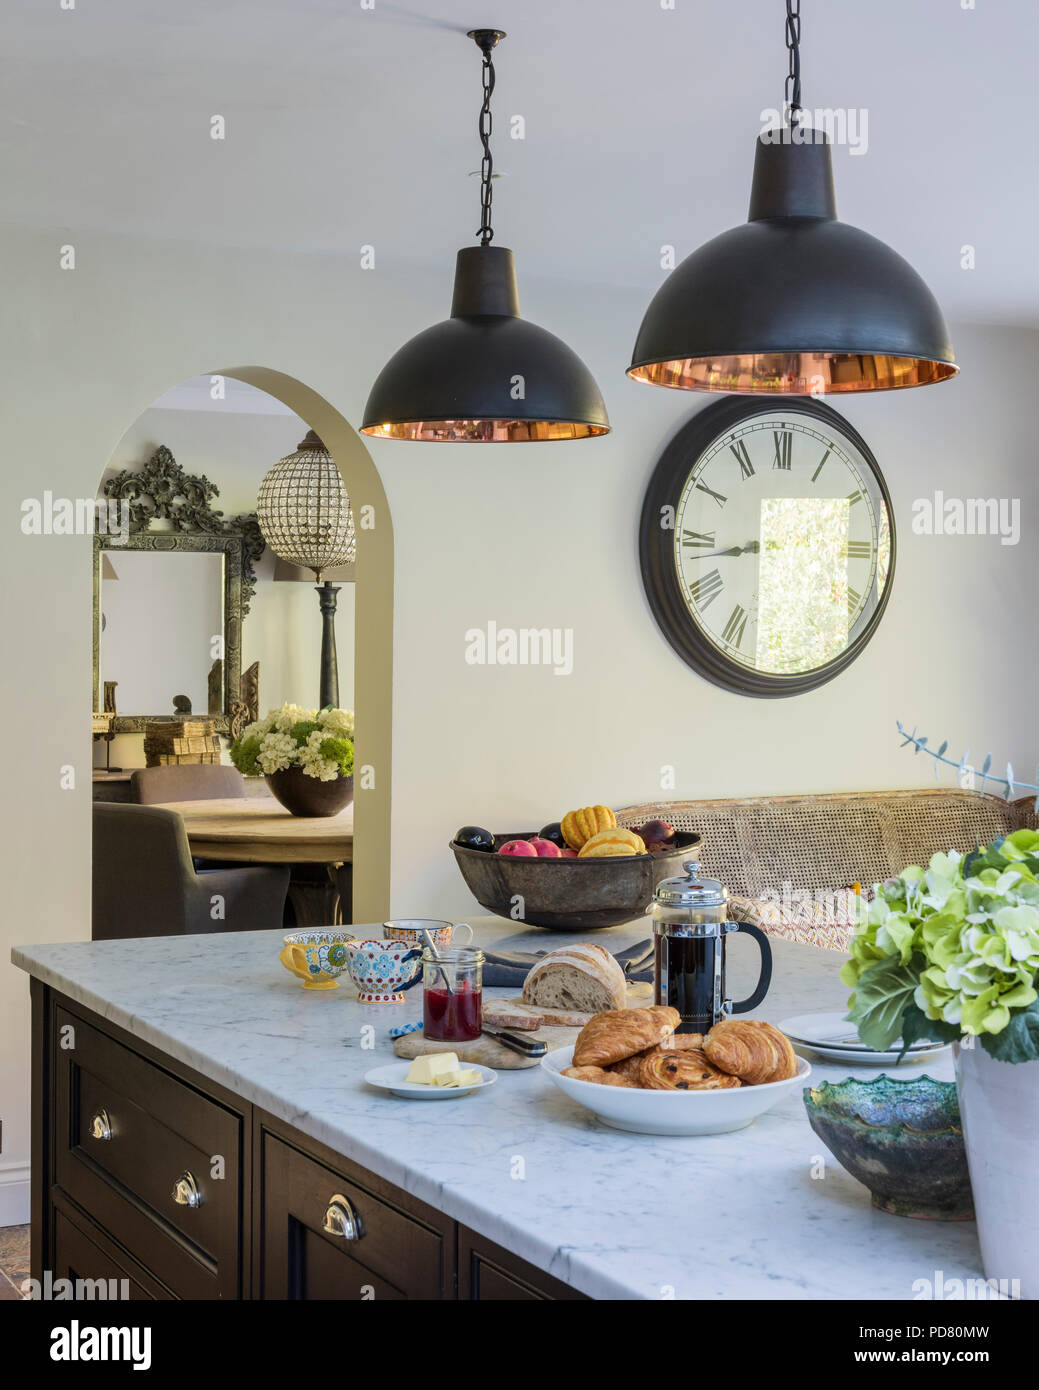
(167, 626)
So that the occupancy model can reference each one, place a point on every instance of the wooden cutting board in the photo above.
(491, 1053)
(485, 1050)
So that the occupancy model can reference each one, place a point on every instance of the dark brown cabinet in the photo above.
(149, 1157)
(326, 1235)
(147, 1172)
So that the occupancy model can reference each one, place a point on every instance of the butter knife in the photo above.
(526, 1047)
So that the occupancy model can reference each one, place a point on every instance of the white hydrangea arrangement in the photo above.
(321, 742)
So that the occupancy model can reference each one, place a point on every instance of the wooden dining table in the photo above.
(257, 830)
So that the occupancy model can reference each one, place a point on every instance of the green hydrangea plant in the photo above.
(953, 949)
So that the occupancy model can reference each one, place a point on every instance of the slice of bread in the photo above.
(525, 1018)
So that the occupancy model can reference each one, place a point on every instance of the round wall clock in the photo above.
(767, 545)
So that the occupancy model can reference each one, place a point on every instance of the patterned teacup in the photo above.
(317, 957)
(383, 970)
(410, 929)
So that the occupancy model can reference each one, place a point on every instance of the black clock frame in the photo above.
(656, 549)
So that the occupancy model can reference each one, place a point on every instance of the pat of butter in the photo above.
(424, 1071)
(466, 1077)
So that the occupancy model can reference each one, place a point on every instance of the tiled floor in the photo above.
(14, 1260)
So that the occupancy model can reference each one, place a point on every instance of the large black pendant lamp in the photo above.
(793, 302)
(485, 374)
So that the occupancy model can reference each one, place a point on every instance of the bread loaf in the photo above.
(581, 977)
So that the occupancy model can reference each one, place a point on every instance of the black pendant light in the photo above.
(793, 302)
(485, 374)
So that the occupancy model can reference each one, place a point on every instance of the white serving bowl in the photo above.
(671, 1112)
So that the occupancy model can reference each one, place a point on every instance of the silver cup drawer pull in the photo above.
(186, 1192)
(341, 1219)
(101, 1126)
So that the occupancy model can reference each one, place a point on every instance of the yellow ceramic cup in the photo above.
(317, 957)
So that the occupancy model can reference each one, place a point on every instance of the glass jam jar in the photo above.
(452, 994)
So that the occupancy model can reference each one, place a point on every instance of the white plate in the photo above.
(672, 1112)
(863, 1057)
(391, 1078)
(831, 1035)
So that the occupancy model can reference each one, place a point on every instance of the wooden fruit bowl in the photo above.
(569, 894)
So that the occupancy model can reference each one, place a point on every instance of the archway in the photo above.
(373, 629)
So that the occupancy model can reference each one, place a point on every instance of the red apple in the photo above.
(545, 849)
(567, 853)
(520, 848)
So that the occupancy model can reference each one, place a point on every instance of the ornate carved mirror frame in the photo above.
(163, 491)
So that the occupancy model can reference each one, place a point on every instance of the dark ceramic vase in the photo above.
(309, 796)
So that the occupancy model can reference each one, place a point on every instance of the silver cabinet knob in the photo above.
(101, 1126)
(341, 1219)
(186, 1191)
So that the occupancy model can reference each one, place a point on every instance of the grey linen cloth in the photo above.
(508, 969)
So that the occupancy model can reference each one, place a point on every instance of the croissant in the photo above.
(616, 1033)
(788, 1065)
(751, 1050)
(665, 1070)
(598, 1075)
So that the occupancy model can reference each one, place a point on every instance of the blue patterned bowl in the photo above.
(383, 970)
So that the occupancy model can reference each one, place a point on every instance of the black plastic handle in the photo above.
(765, 978)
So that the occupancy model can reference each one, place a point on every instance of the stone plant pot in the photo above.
(309, 796)
(999, 1107)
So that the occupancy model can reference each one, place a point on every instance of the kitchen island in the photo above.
(208, 1042)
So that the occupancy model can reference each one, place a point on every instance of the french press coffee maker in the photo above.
(690, 925)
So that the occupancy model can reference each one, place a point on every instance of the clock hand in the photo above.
(751, 548)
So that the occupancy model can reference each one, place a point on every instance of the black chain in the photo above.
(486, 232)
(793, 43)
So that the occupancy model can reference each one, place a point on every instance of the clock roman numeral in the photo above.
(858, 550)
(695, 541)
(822, 461)
(702, 487)
(706, 589)
(739, 449)
(784, 442)
(734, 628)
(854, 497)
(854, 599)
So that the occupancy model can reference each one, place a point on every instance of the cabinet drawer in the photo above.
(489, 1273)
(324, 1235)
(79, 1255)
(126, 1132)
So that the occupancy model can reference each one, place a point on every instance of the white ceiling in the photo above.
(348, 126)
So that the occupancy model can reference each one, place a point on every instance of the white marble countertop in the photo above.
(614, 1214)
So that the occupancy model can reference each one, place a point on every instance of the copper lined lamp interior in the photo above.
(486, 431)
(794, 373)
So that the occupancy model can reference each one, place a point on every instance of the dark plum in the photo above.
(553, 831)
(475, 837)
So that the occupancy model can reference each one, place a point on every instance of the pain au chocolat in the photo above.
(618, 1033)
(665, 1069)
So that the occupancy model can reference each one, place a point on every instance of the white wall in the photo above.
(538, 535)
(283, 628)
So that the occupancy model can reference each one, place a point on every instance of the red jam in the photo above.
(452, 1016)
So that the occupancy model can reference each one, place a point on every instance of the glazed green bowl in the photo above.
(902, 1139)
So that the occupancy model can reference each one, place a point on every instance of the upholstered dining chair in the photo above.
(186, 782)
(145, 883)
